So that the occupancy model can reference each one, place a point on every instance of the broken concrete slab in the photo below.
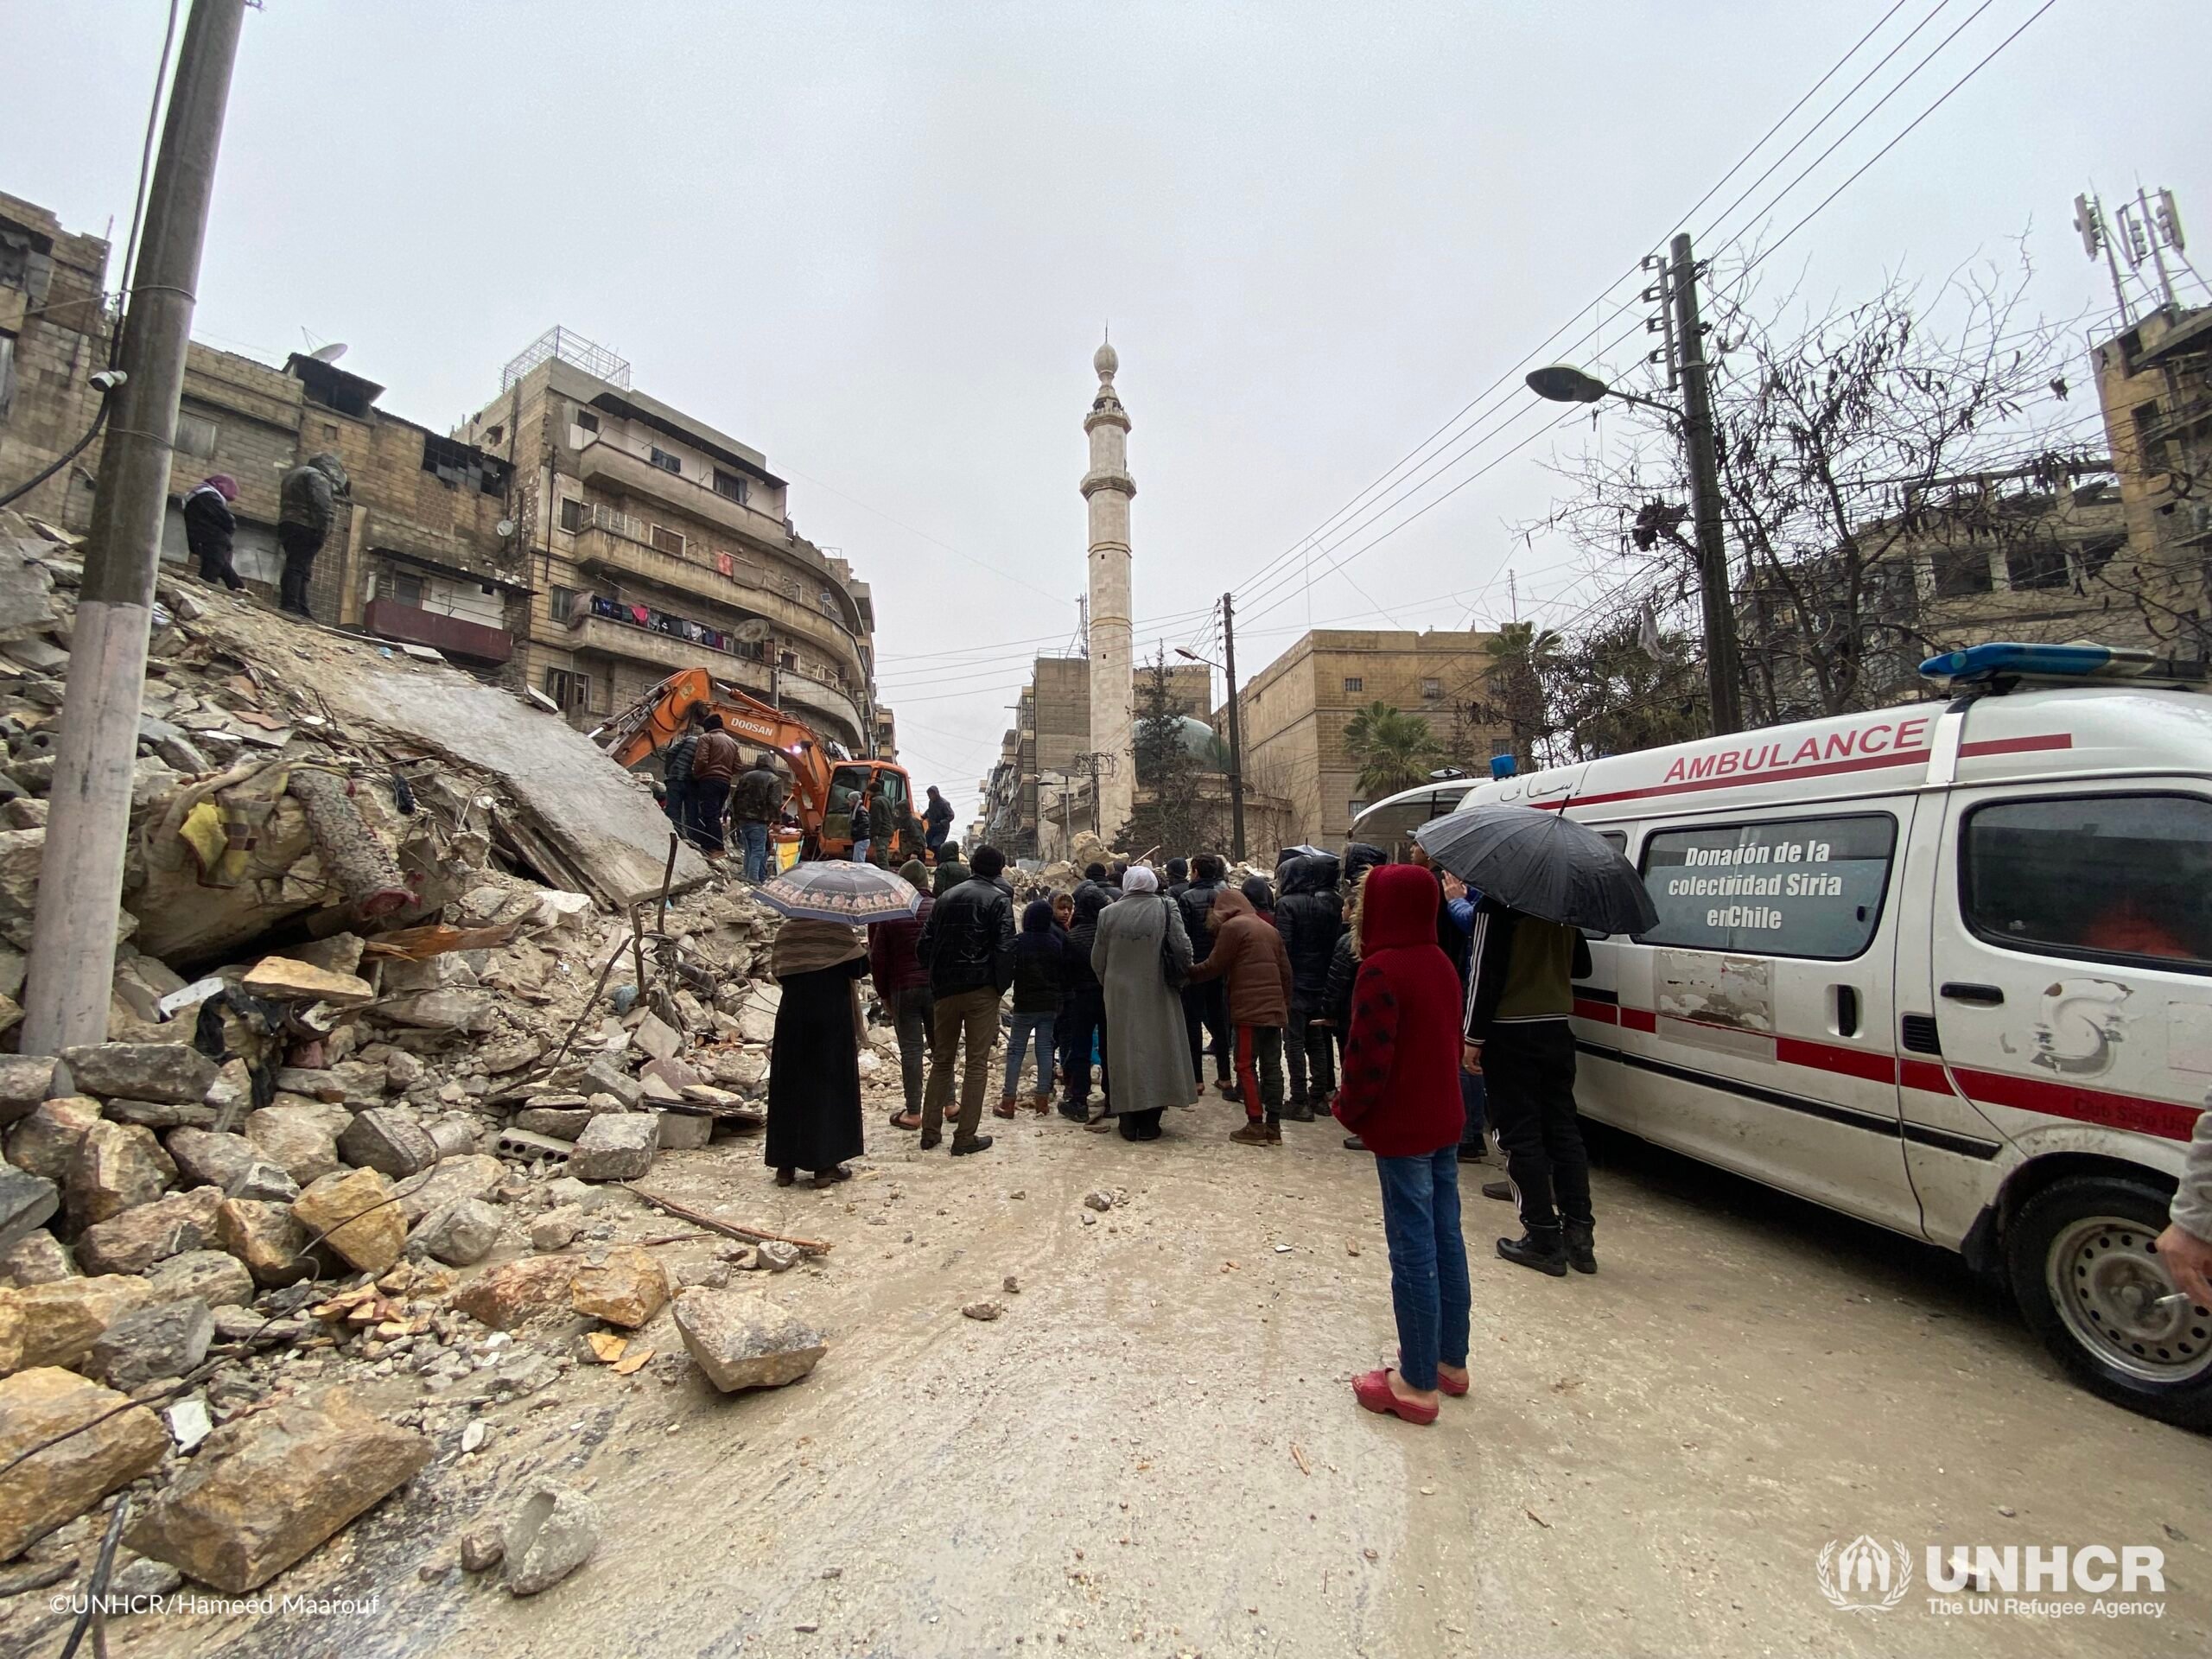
(166, 1072)
(616, 1146)
(684, 1131)
(558, 1228)
(660, 1040)
(356, 1216)
(281, 978)
(151, 1344)
(264, 1491)
(561, 1123)
(526, 1143)
(603, 1077)
(73, 1474)
(446, 1010)
(56, 1324)
(744, 1341)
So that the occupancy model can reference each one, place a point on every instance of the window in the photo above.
(667, 462)
(196, 435)
(495, 434)
(1355, 683)
(1499, 746)
(571, 691)
(665, 540)
(729, 483)
(7, 374)
(463, 466)
(1432, 690)
(587, 420)
(572, 514)
(405, 587)
(1795, 887)
(2095, 555)
(1961, 570)
(561, 601)
(329, 430)
(2113, 878)
(2037, 564)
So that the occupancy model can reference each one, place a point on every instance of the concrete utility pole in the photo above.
(1236, 729)
(1723, 678)
(81, 879)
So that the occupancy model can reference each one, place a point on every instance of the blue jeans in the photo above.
(1024, 1027)
(936, 839)
(755, 837)
(860, 851)
(1428, 1261)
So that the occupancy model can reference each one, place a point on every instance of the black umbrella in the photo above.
(1543, 863)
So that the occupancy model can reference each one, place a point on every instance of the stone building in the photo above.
(1295, 709)
(654, 543)
(2154, 381)
(53, 338)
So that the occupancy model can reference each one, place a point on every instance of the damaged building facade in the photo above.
(655, 542)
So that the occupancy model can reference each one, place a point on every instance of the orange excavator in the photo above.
(829, 783)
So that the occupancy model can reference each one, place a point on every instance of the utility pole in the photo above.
(80, 881)
(1723, 679)
(1236, 729)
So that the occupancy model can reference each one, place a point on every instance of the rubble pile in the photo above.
(369, 1093)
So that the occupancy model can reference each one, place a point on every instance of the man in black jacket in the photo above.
(209, 525)
(1205, 1005)
(1310, 917)
(967, 946)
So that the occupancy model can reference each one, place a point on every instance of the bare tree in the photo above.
(1849, 441)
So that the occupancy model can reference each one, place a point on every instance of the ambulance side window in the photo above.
(1776, 887)
(2111, 878)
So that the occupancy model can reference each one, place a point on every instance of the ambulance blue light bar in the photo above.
(1997, 662)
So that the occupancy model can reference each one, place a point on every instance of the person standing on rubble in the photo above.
(902, 985)
(753, 804)
(209, 526)
(937, 821)
(882, 826)
(1140, 954)
(967, 946)
(309, 507)
(814, 1064)
(1309, 917)
(676, 779)
(1247, 957)
(714, 764)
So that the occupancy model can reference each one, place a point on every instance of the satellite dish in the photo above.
(752, 631)
(329, 353)
(505, 528)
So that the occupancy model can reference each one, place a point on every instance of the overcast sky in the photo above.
(879, 243)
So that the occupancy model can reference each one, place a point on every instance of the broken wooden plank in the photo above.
(730, 1228)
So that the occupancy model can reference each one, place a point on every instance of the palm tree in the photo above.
(1395, 750)
(1521, 654)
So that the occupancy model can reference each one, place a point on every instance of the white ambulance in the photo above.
(1946, 968)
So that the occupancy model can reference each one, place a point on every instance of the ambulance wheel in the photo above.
(2089, 1282)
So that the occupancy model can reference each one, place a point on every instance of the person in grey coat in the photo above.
(1148, 1046)
(2186, 1245)
(307, 508)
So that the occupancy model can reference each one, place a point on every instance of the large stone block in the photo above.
(519, 1291)
(617, 1147)
(156, 1342)
(45, 1140)
(296, 1139)
(744, 1341)
(626, 1289)
(278, 977)
(264, 1491)
(263, 1235)
(356, 1216)
(57, 1323)
(215, 1277)
(167, 1071)
(388, 1140)
(70, 1476)
(684, 1131)
(118, 1166)
(28, 1202)
(462, 1234)
(471, 1175)
(134, 1240)
(25, 1080)
(37, 1258)
(603, 1077)
(204, 1158)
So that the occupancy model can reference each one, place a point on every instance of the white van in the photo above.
(1391, 823)
(1946, 967)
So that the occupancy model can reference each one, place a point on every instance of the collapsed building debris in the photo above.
(372, 1095)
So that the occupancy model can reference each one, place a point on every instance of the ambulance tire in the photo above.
(2050, 1224)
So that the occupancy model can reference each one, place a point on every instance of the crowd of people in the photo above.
(1385, 996)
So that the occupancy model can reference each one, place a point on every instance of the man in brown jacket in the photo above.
(714, 763)
(1248, 955)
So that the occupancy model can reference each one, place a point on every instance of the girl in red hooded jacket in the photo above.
(1400, 1094)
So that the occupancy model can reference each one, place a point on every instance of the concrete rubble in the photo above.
(377, 1062)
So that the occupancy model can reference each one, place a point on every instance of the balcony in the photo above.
(388, 618)
(818, 696)
(614, 545)
(606, 467)
(642, 645)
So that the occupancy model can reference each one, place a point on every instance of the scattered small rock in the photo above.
(552, 1534)
(984, 1311)
(1102, 1201)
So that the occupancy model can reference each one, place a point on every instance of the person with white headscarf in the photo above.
(1142, 956)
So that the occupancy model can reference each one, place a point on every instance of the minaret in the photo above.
(1108, 488)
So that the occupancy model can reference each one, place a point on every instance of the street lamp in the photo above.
(1235, 750)
(1563, 383)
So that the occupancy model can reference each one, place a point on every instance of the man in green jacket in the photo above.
(306, 508)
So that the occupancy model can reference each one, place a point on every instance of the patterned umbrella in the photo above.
(840, 891)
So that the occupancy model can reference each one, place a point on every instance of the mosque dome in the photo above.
(1106, 362)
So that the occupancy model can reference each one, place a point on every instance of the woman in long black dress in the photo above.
(814, 1076)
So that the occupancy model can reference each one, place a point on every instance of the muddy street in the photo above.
(1154, 1450)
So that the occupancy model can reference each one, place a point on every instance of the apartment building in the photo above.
(655, 541)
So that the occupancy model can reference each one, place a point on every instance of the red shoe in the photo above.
(1444, 1384)
(1373, 1391)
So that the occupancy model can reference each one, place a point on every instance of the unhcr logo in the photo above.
(1866, 1576)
